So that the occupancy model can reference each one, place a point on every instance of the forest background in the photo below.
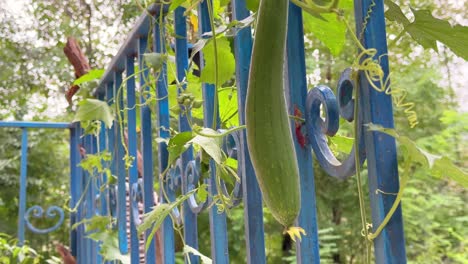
(35, 74)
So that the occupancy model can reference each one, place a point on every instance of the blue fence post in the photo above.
(163, 125)
(218, 225)
(253, 208)
(120, 167)
(181, 52)
(308, 248)
(74, 160)
(103, 190)
(109, 90)
(389, 246)
(23, 185)
(132, 151)
(146, 141)
(80, 179)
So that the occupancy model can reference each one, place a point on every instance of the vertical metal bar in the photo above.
(88, 198)
(132, 151)
(146, 143)
(79, 188)
(121, 171)
(307, 250)
(253, 209)
(111, 145)
(163, 132)
(93, 190)
(23, 185)
(74, 160)
(181, 49)
(218, 225)
(389, 246)
(102, 179)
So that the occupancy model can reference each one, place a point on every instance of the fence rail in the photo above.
(149, 36)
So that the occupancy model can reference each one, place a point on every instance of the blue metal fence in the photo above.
(379, 149)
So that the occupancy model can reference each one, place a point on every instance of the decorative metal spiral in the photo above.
(38, 212)
(192, 172)
(174, 183)
(318, 128)
(231, 144)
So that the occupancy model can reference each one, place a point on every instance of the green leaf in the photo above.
(156, 217)
(226, 63)
(211, 145)
(202, 194)
(227, 101)
(175, 4)
(190, 250)
(90, 76)
(233, 163)
(439, 166)
(342, 143)
(427, 30)
(394, 13)
(93, 109)
(252, 5)
(178, 144)
(327, 28)
(110, 245)
(330, 31)
(444, 167)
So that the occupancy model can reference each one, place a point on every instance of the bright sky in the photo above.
(458, 69)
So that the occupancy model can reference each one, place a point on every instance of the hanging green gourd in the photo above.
(269, 137)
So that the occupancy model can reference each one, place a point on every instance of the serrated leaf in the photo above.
(90, 76)
(427, 30)
(444, 167)
(190, 250)
(439, 166)
(394, 13)
(155, 218)
(226, 63)
(93, 109)
(211, 145)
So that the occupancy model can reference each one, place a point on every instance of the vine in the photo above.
(365, 63)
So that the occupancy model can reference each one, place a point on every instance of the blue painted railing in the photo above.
(374, 108)
(36, 211)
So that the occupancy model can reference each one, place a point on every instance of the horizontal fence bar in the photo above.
(129, 47)
(28, 124)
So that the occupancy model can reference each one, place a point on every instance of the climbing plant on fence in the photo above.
(185, 96)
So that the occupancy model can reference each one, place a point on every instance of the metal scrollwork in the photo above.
(174, 183)
(38, 212)
(231, 144)
(321, 98)
(192, 173)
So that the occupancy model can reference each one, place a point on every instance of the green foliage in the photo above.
(90, 76)
(217, 71)
(328, 28)
(427, 30)
(93, 109)
(12, 253)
